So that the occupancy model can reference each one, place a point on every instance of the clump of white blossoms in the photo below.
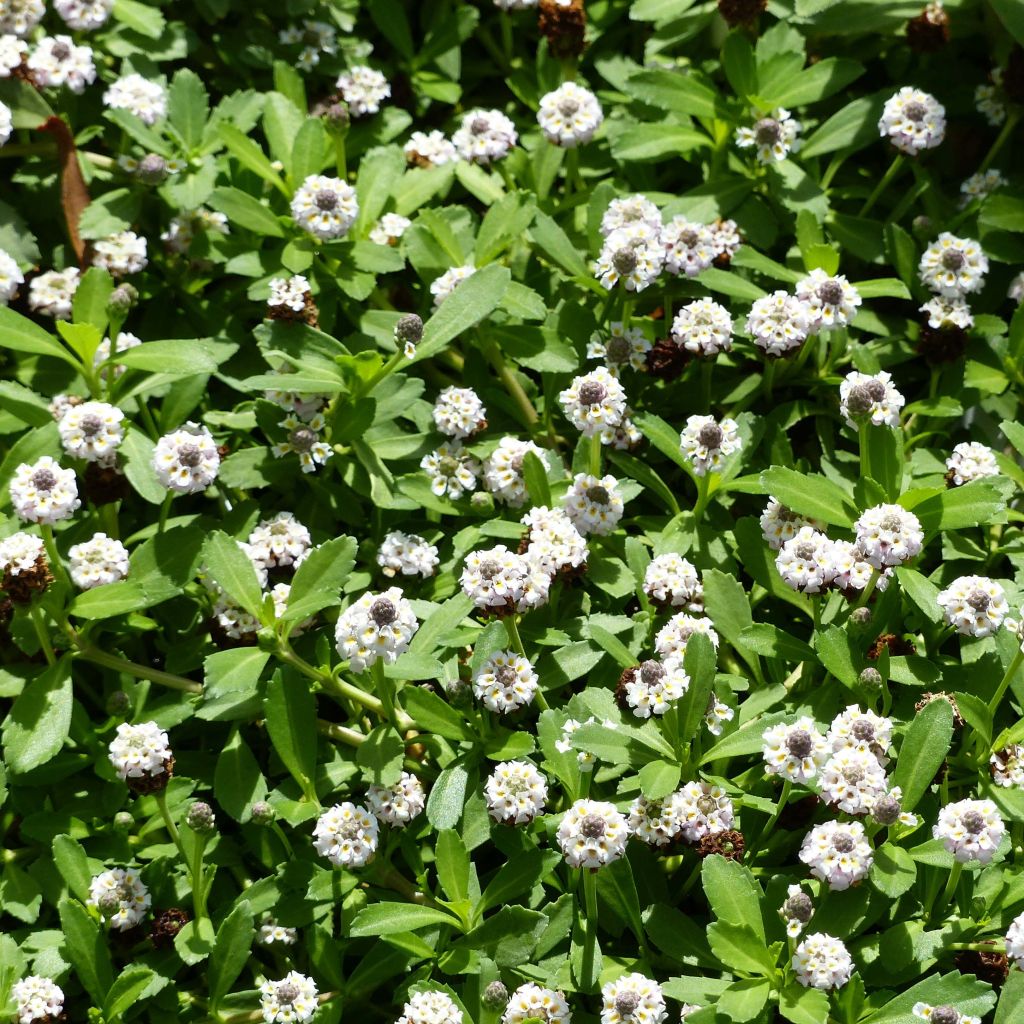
(186, 460)
(441, 287)
(279, 542)
(315, 37)
(888, 535)
(913, 121)
(459, 413)
(398, 804)
(859, 729)
(484, 136)
(703, 809)
(92, 431)
(779, 323)
(303, 439)
(290, 1000)
(652, 687)
(182, 230)
(515, 792)
(43, 492)
(805, 561)
(51, 293)
(125, 341)
(145, 99)
(853, 781)
(945, 1014)
(707, 443)
(389, 229)
(121, 253)
(140, 750)
(13, 51)
(451, 470)
(19, 17)
(717, 714)
(673, 637)
(570, 115)
(6, 123)
(594, 504)
(430, 1008)
(969, 461)
(271, 932)
(21, 553)
(408, 554)
(553, 542)
(1007, 766)
(594, 401)
(974, 605)
(506, 682)
(632, 999)
(363, 89)
(795, 751)
(703, 327)
(11, 277)
(796, 910)
(727, 241)
(375, 626)
(1015, 941)
(832, 300)
(655, 822)
(120, 896)
(773, 137)
(502, 581)
(84, 15)
(946, 313)
(289, 293)
(627, 211)
(821, 961)
(779, 524)
(57, 61)
(631, 256)
(873, 399)
(953, 266)
(346, 835)
(971, 830)
(37, 998)
(689, 246)
(325, 207)
(980, 185)
(430, 149)
(97, 561)
(672, 580)
(531, 1001)
(592, 833)
(622, 347)
(849, 571)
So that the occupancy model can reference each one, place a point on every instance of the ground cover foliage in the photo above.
(511, 512)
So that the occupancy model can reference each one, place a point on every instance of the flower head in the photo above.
(375, 626)
(364, 89)
(888, 535)
(279, 542)
(594, 401)
(531, 1001)
(303, 439)
(451, 470)
(51, 293)
(92, 431)
(139, 96)
(671, 580)
(441, 287)
(689, 247)
(398, 804)
(971, 830)
(632, 999)
(325, 207)
(43, 492)
(703, 327)
(594, 504)
(707, 443)
(592, 833)
(652, 687)
(140, 750)
(408, 554)
(505, 682)
(913, 121)
(796, 751)
(97, 561)
(515, 792)
(121, 897)
(186, 460)
(953, 266)
(773, 137)
(821, 961)
(291, 1000)
(485, 136)
(780, 323)
(429, 149)
(621, 347)
(975, 605)
(570, 115)
(57, 61)
(459, 413)
(631, 256)
(37, 998)
(346, 835)
(832, 301)
(430, 1008)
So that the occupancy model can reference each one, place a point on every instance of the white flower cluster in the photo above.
(20, 552)
(182, 229)
(19, 17)
(500, 580)
(570, 115)
(140, 96)
(375, 626)
(346, 835)
(37, 998)
(303, 439)
(871, 398)
(1015, 941)
(484, 136)
(853, 781)
(592, 833)
(772, 137)
(632, 256)
(289, 293)
(953, 267)
(553, 542)
(913, 121)
(971, 830)
(278, 542)
(139, 750)
(430, 1008)
(389, 229)
(974, 605)
(408, 554)
(42, 492)
(325, 207)
(288, 1001)
(97, 561)
(84, 15)
(92, 431)
(531, 1001)
(797, 910)
(11, 277)
(689, 247)
(948, 313)
(430, 149)
(832, 301)
(506, 682)
(780, 323)
(779, 524)
(515, 792)
(821, 961)
(620, 348)
(459, 413)
(503, 471)
(654, 687)
(451, 470)
(121, 254)
(969, 461)
(584, 759)
(811, 563)
(1007, 766)
(632, 999)
(703, 327)
(795, 751)
(707, 443)
(398, 804)
(186, 460)
(702, 809)
(594, 504)
(980, 185)
(271, 932)
(121, 897)
(673, 637)
(594, 401)
(888, 535)
(124, 341)
(58, 61)
(51, 293)
(441, 287)
(945, 1014)
(363, 89)
(315, 37)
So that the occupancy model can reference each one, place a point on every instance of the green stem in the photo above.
(42, 633)
(868, 590)
(706, 368)
(108, 517)
(385, 688)
(339, 155)
(515, 390)
(703, 496)
(1004, 685)
(53, 555)
(590, 935)
(195, 869)
(161, 802)
(787, 788)
(863, 432)
(1001, 140)
(886, 178)
(165, 508)
(768, 377)
(950, 889)
(595, 456)
(154, 675)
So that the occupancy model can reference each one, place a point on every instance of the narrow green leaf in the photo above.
(923, 751)
(87, 949)
(40, 719)
(230, 951)
(290, 711)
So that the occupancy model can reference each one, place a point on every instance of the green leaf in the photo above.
(232, 570)
(678, 92)
(319, 580)
(504, 223)
(837, 655)
(536, 478)
(310, 150)
(452, 860)
(658, 779)
(40, 719)
(744, 1000)
(965, 992)
(181, 358)
(699, 661)
(125, 992)
(20, 334)
(248, 154)
(852, 127)
(613, 645)
(893, 871)
(803, 1005)
(290, 711)
(810, 494)
(188, 106)
(28, 108)
(230, 950)
(139, 17)
(435, 714)
(393, 918)
(89, 306)
(923, 751)
(380, 756)
(448, 795)
(765, 639)
(978, 503)
(921, 591)
(740, 949)
(733, 893)
(656, 142)
(238, 782)
(137, 451)
(195, 941)
(1011, 1000)
(73, 865)
(19, 401)
(557, 246)
(246, 212)
(515, 876)
(86, 947)
(822, 79)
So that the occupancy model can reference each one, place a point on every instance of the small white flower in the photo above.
(707, 443)
(20, 552)
(673, 637)
(139, 750)
(672, 580)
(398, 804)
(773, 137)
(689, 247)
(19, 17)
(805, 561)
(796, 911)
(888, 535)
(628, 211)
(84, 15)
(717, 714)
(945, 312)
(849, 571)
(121, 897)
(832, 301)
(584, 758)
(375, 626)
(654, 687)
(51, 293)
(501, 580)
(186, 460)
(570, 115)
(1015, 293)
(122, 253)
(620, 348)
(795, 751)
(779, 524)
(389, 229)
(503, 471)
(364, 89)
(726, 239)
(441, 287)
(430, 1008)
(271, 932)
(655, 822)
(13, 52)
(632, 999)
(1007, 766)
(459, 413)
(182, 229)
(989, 99)
(530, 1001)
(315, 37)
(408, 554)
(484, 136)
(780, 323)
(303, 439)
(278, 542)
(703, 809)
(953, 266)
(913, 120)
(325, 207)
(234, 622)
(57, 61)
(125, 341)
(975, 605)
(594, 401)
(515, 792)
(98, 561)
(821, 961)
(505, 683)
(554, 543)
(37, 998)
(451, 470)
(594, 504)
(346, 835)
(429, 149)
(92, 431)
(1015, 941)
(289, 292)
(971, 460)
(943, 1014)
(291, 1000)
(42, 492)
(11, 277)
(971, 830)
(853, 781)
(145, 99)
(857, 729)
(703, 327)
(979, 185)
(592, 833)
(631, 256)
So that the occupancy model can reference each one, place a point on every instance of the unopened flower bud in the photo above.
(152, 169)
(109, 903)
(495, 996)
(871, 677)
(118, 704)
(121, 300)
(860, 616)
(337, 116)
(200, 817)
(262, 813)
(922, 226)
(409, 328)
(123, 821)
